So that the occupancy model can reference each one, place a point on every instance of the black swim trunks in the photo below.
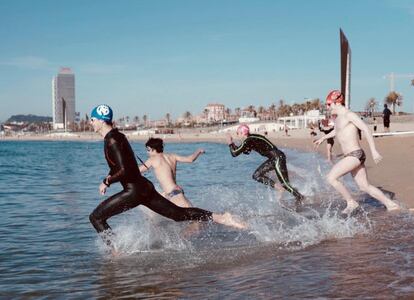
(360, 154)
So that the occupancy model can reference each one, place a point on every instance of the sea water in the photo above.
(49, 250)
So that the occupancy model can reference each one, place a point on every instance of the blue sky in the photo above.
(153, 57)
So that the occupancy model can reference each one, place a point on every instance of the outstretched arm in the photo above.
(191, 158)
(325, 137)
(146, 166)
(367, 133)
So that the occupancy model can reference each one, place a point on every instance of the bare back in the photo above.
(346, 133)
(165, 166)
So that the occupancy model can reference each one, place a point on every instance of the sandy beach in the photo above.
(394, 173)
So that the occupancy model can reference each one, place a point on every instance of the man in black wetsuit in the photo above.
(386, 114)
(326, 126)
(136, 188)
(276, 159)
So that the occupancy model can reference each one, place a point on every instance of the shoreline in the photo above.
(394, 173)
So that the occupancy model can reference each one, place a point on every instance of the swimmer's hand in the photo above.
(201, 151)
(317, 143)
(102, 188)
(229, 138)
(376, 156)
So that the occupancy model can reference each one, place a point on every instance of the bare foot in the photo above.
(350, 208)
(229, 220)
(393, 206)
(190, 230)
(115, 252)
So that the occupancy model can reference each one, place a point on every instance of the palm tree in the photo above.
(168, 118)
(316, 104)
(237, 111)
(144, 119)
(394, 99)
(371, 106)
(228, 113)
(136, 120)
(273, 111)
(187, 115)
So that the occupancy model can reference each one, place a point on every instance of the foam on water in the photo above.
(269, 223)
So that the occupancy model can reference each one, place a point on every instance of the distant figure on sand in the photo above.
(165, 169)
(346, 128)
(286, 130)
(386, 114)
(326, 126)
(136, 188)
(276, 160)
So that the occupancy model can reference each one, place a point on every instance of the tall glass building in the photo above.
(63, 90)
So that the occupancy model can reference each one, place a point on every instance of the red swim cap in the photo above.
(243, 129)
(334, 96)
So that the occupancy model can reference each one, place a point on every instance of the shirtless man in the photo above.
(345, 130)
(165, 169)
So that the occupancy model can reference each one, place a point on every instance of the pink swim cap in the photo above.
(243, 129)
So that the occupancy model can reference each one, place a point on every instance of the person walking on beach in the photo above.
(165, 169)
(136, 188)
(345, 130)
(386, 114)
(326, 126)
(276, 160)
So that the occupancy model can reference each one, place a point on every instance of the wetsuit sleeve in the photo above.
(237, 150)
(115, 150)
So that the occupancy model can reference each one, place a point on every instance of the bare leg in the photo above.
(280, 189)
(228, 220)
(341, 168)
(182, 201)
(329, 152)
(360, 176)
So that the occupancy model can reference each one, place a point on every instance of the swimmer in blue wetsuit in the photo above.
(136, 188)
(276, 160)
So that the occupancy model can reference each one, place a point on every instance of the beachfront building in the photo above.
(215, 112)
(302, 121)
(248, 116)
(63, 99)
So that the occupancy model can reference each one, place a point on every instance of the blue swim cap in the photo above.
(102, 112)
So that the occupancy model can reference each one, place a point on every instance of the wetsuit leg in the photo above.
(261, 172)
(166, 208)
(112, 206)
(283, 176)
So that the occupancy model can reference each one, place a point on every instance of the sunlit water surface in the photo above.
(48, 249)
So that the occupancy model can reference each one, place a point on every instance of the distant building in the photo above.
(63, 99)
(248, 117)
(215, 112)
